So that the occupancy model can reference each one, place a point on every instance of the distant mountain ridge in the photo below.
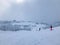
(24, 25)
(20, 25)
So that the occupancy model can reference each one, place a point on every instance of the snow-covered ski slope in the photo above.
(43, 37)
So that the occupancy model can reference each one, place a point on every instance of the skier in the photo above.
(51, 27)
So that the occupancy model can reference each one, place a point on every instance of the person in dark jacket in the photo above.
(39, 29)
(51, 27)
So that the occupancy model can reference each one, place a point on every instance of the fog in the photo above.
(47, 11)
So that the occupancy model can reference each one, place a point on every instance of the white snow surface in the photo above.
(43, 37)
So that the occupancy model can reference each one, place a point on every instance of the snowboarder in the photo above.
(51, 27)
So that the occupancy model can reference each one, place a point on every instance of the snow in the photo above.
(43, 37)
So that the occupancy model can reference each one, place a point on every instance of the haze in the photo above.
(47, 11)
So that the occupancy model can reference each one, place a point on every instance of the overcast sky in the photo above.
(30, 10)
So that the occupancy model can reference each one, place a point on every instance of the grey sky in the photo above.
(37, 10)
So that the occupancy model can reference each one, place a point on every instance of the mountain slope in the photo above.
(43, 37)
